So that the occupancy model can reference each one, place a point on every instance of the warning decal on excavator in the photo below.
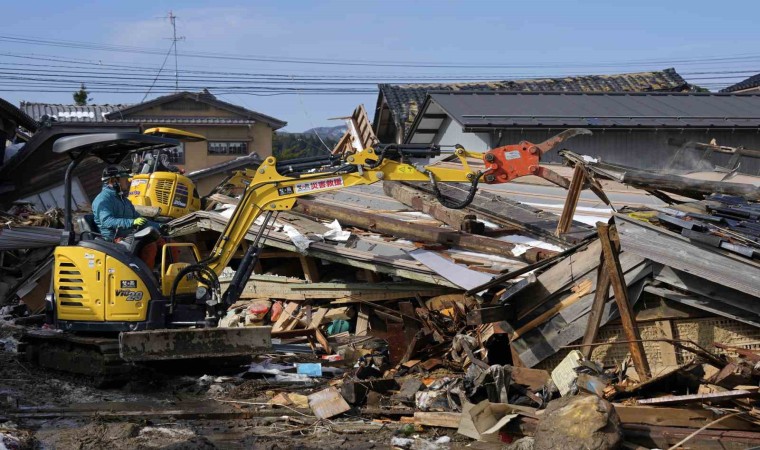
(319, 185)
(514, 154)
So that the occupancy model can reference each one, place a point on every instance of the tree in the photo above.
(81, 97)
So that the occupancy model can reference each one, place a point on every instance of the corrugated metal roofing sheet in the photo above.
(678, 110)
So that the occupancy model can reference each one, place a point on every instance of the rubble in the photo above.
(420, 327)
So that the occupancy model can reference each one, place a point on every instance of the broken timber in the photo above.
(295, 289)
(524, 218)
(612, 264)
(573, 195)
(354, 257)
(419, 201)
(400, 228)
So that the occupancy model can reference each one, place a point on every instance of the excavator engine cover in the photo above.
(174, 194)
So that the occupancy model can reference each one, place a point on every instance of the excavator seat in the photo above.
(88, 227)
(136, 241)
(132, 244)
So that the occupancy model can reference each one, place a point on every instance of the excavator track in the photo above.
(95, 358)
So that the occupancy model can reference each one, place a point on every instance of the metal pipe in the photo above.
(68, 226)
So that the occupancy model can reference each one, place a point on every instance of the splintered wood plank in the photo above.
(438, 419)
(502, 211)
(678, 417)
(612, 263)
(579, 291)
(362, 321)
(317, 317)
(327, 403)
(285, 317)
(310, 269)
(571, 202)
(601, 296)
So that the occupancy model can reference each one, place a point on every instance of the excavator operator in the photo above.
(115, 215)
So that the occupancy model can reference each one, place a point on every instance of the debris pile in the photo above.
(398, 323)
(27, 239)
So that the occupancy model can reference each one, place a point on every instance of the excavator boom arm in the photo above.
(271, 191)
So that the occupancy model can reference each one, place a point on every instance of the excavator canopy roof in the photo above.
(110, 147)
(174, 133)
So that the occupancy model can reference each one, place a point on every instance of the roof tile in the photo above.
(405, 99)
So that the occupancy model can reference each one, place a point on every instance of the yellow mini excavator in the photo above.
(156, 183)
(112, 308)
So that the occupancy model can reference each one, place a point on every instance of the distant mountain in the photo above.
(328, 132)
(299, 145)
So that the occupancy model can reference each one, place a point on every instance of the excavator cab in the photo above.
(159, 186)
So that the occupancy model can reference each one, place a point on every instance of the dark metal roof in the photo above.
(101, 144)
(69, 113)
(749, 83)
(484, 110)
(405, 100)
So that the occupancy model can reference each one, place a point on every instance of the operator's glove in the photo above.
(140, 221)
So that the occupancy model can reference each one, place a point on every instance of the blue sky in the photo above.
(709, 43)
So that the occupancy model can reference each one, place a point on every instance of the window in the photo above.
(227, 148)
(176, 154)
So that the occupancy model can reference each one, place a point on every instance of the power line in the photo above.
(159, 71)
(371, 63)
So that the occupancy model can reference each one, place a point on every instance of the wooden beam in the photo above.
(285, 317)
(580, 290)
(631, 330)
(438, 419)
(667, 351)
(571, 201)
(403, 229)
(310, 269)
(286, 288)
(411, 197)
(597, 308)
(362, 321)
(677, 417)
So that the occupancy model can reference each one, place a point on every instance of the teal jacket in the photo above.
(112, 212)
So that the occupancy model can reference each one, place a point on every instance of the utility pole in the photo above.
(173, 20)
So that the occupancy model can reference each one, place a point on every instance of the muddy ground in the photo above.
(31, 389)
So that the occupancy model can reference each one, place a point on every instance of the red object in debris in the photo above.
(332, 358)
(258, 309)
(506, 438)
(276, 311)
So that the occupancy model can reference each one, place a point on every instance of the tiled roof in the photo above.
(749, 83)
(184, 120)
(117, 113)
(405, 100)
(69, 113)
(206, 97)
